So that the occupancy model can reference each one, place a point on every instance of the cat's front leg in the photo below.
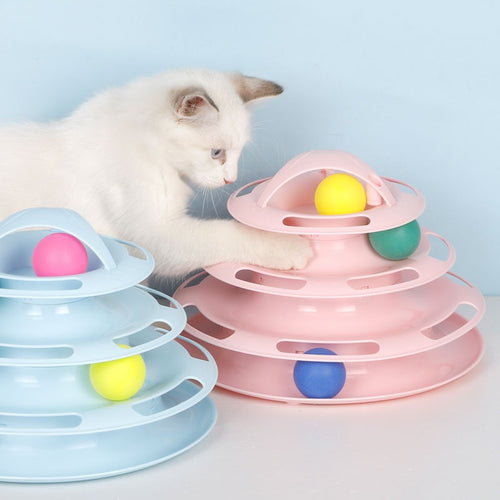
(273, 250)
(193, 243)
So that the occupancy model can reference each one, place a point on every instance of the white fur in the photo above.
(124, 161)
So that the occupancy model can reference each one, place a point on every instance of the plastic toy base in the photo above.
(51, 459)
(367, 381)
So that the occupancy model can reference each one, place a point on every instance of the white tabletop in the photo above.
(443, 444)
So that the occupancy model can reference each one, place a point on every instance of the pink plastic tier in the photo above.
(367, 381)
(355, 328)
(399, 327)
(344, 266)
(285, 204)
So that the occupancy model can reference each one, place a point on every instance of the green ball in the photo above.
(397, 243)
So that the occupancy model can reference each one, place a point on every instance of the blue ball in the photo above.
(319, 379)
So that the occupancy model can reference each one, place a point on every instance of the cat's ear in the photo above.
(193, 104)
(250, 88)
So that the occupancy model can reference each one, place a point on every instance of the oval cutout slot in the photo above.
(144, 336)
(162, 327)
(255, 277)
(247, 189)
(40, 422)
(196, 280)
(340, 348)
(193, 351)
(405, 188)
(458, 280)
(169, 399)
(31, 353)
(133, 250)
(326, 221)
(384, 279)
(458, 318)
(201, 323)
(439, 249)
(39, 284)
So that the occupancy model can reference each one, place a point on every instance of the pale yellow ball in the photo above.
(118, 379)
(340, 194)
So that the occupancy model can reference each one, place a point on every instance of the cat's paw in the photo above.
(283, 251)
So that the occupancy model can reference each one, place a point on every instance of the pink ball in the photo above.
(59, 254)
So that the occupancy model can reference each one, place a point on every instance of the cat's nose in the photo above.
(226, 181)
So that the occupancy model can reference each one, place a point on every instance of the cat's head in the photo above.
(212, 123)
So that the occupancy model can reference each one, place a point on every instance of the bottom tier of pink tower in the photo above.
(367, 380)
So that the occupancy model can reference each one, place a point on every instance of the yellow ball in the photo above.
(118, 379)
(340, 194)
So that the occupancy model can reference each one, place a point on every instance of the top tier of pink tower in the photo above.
(285, 202)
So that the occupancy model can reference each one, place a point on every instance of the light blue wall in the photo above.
(410, 87)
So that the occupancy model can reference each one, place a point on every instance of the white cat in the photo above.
(124, 160)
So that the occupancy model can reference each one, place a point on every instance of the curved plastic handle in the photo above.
(60, 219)
(329, 160)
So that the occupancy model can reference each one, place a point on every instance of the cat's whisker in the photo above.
(203, 192)
(225, 190)
(213, 203)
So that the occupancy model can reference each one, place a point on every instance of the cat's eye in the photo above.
(218, 154)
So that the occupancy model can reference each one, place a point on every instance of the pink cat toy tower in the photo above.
(375, 315)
